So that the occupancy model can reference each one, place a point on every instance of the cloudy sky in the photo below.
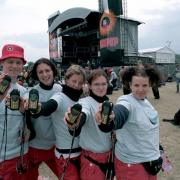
(25, 22)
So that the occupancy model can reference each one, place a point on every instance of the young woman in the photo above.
(67, 149)
(41, 148)
(137, 125)
(96, 145)
(13, 148)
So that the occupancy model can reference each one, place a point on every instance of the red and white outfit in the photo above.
(42, 146)
(11, 128)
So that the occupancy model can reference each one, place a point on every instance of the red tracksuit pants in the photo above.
(8, 169)
(89, 170)
(36, 157)
(70, 170)
(125, 171)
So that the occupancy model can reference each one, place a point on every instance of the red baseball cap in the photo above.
(12, 51)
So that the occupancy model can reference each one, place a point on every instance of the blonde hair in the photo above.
(75, 69)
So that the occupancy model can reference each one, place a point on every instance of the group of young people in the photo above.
(76, 151)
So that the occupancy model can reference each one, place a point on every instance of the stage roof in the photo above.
(74, 16)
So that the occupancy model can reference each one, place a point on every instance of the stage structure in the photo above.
(94, 38)
(74, 37)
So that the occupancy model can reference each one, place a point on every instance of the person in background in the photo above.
(156, 82)
(125, 83)
(96, 145)
(85, 90)
(113, 78)
(20, 79)
(176, 120)
(13, 131)
(137, 154)
(177, 76)
(41, 147)
(31, 82)
(110, 86)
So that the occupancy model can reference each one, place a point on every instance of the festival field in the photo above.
(167, 105)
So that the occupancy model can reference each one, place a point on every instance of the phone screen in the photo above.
(3, 86)
(106, 110)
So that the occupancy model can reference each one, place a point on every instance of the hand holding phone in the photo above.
(33, 100)
(106, 111)
(5, 84)
(75, 113)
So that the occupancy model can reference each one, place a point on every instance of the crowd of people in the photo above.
(83, 148)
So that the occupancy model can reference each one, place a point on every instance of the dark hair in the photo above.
(46, 61)
(154, 75)
(95, 74)
(150, 72)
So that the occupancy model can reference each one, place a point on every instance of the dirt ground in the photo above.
(166, 106)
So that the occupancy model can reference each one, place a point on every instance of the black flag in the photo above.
(109, 26)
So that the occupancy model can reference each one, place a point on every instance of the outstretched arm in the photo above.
(78, 126)
(46, 108)
(121, 115)
(118, 118)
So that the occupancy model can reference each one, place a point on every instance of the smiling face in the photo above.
(13, 67)
(139, 87)
(45, 74)
(99, 86)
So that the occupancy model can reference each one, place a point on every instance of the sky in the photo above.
(24, 22)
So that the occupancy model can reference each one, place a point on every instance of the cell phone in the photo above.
(5, 84)
(75, 112)
(14, 99)
(106, 111)
(33, 100)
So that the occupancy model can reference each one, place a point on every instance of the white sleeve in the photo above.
(122, 100)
